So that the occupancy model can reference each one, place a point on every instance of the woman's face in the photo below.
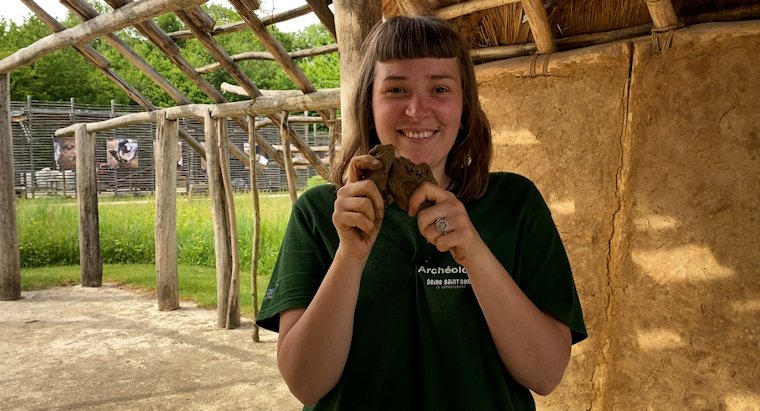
(417, 107)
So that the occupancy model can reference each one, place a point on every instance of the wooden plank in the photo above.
(10, 260)
(90, 261)
(469, 7)
(662, 13)
(353, 21)
(118, 19)
(165, 233)
(539, 25)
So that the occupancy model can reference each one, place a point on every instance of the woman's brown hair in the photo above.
(402, 37)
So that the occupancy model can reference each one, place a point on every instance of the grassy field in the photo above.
(48, 242)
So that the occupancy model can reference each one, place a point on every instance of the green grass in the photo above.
(48, 242)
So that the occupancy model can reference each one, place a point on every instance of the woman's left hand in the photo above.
(446, 223)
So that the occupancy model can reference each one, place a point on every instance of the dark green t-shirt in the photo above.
(420, 340)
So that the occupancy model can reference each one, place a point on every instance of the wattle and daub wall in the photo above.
(649, 158)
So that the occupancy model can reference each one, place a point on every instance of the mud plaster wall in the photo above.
(650, 162)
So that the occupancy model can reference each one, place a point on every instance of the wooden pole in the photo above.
(662, 13)
(219, 214)
(539, 25)
(353, 21)
(91, 263)
(468, 7)
(167, 283)
(10, 261)
(232, 316)
(256, 226)
(290, 171)
(116, 20)
(334, 136)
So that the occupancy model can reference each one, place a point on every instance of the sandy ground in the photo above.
(109, 348)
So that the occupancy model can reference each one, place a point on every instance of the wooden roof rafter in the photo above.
(263, 55)
(324, 14)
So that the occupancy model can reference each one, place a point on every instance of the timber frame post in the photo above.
(167, 282)
(10, 260)
(353, 21)
(90, 260)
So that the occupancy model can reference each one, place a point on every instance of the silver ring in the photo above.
(442, 225)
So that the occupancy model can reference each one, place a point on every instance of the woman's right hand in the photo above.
(359, 209)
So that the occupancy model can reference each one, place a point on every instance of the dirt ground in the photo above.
(110, 348)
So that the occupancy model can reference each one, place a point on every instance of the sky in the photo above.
(15, 10)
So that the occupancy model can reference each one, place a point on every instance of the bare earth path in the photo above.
(108, 348)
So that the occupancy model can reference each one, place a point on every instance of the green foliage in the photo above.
(314, 181)
(64, 74)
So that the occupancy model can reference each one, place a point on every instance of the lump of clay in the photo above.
(398, 177)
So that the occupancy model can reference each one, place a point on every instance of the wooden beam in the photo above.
(263, 55)
(172, 52)
(240, 25)
(290, 172)
(10, 260)
(353, 21)
(165, 233)
(256, 246)
(321, 100)
(232, 305)
(324, 14)
(663, 14)
(539, 25)
(412, 7)
(90, 260)
(469, 7)
(118, 19)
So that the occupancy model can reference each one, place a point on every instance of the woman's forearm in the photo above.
(534, 346)
(314, 342)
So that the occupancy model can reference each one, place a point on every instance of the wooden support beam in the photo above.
(10, 260)
(240, 25)
(118, 19)
(324, 14)
(256, 246)
(663, 14)
(258, 106)
(90, 260)
(263, 55)
(290, 172)
(469, 7)
(165, 233)
(353, 21)
(412, 7)
(539, 25)
(232, 305)
(222, 250)
(172, 52)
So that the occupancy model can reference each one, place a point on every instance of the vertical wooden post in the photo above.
(90, 261)
(334, 133)
(256, 225)
(219, 214)
(165, 234)
(290, 171)
(353, 21)
(10, 260)
(232, 306)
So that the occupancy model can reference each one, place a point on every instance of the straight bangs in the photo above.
(414, 39)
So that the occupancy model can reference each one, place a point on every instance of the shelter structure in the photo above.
(637, 120)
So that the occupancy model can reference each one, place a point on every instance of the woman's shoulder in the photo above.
(500, 180)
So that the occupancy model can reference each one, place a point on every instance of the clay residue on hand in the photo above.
(398, 177)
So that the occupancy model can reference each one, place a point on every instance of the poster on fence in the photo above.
(65, 153)
(122, 153)
(260, 158)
